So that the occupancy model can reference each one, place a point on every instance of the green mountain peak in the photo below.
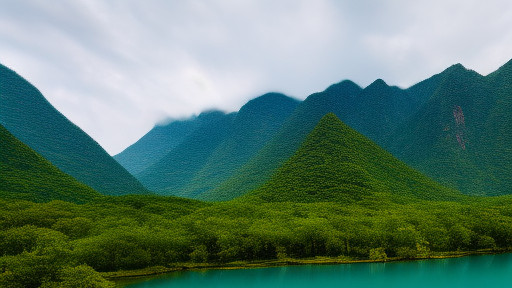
(336, 163)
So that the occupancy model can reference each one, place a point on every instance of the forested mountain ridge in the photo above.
(407, 123)
(159, 141)
(33, 120)
(254, 125)
(211, 153)
(336, 163)
(26, 175)
(374, 112)
(457, 136)
(174, 170)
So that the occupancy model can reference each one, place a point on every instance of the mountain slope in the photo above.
(286, 141)
(336, 163)
(458, 136)
(178, 167)
(414, 124)
(496, 133)
(374, 111)
(31, 118)
(217, 147)
(158, 142)
(254, 125)
(26, 175)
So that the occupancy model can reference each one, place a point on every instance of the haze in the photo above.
(115, 68)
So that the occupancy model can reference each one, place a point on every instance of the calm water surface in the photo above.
(473, 271)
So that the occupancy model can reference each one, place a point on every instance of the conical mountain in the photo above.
(26, 175)
(32, 119)
(286, 141)
(336, 163)
(155, 144)
(460, 137)
(374, 111)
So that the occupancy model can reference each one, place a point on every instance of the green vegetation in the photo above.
(33, 120)
(374, 112)
(458, 137)
(215, 149)
(178, 167)
(59, 241)
(315, 188)
(336, 163)
(340, 197)
(24, 174)
(255, 124)
(160, 141)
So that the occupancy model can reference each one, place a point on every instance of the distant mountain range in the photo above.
(454, 127)
(33, 120)
(219, 145)
(450, 126)
(161, 140)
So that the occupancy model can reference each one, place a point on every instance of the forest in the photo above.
(63, 244)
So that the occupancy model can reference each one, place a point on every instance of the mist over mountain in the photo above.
(423, 125)
(159, 141)
(217, 148)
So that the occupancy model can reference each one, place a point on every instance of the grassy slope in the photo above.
(31, 118)
(26, 175)
(336, 163)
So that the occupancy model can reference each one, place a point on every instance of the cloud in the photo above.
(116, 68)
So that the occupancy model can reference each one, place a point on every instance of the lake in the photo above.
(471, 271)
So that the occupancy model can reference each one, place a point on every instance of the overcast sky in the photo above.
(115, 68)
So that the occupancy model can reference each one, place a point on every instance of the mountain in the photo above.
(336, 163)
(286, 141)
(497, 131)
(459, 136)
(159, 141)
(32, 119)
(374, 111)
(416, 124)
(211, 153)
(26, 175)
(175, 169)
(254, 125)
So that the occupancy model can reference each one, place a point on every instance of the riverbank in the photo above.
(158, 270)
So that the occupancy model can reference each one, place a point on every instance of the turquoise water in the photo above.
(473, 271)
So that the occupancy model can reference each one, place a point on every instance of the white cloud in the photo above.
(115, 68)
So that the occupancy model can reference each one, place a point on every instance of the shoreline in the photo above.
(150, 272)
